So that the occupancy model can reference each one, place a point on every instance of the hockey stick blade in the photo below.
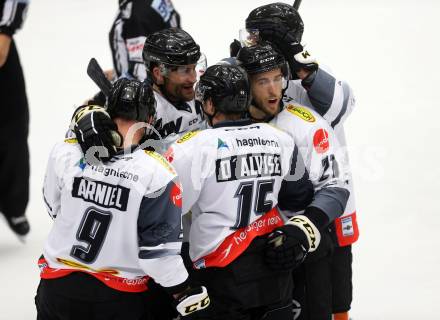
(296, 4)
(95, 73)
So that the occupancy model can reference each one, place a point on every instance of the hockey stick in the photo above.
(296, 4)
(95, 73)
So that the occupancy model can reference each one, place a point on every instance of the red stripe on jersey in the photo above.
(117, 283)
(236, 243)
(347, 229)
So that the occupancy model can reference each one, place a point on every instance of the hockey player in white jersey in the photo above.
(314, 137)
(115, 225)
(171, 57)
(235, 178)
(333, 99)
(173, 61)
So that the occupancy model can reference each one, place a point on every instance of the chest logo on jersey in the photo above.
(168, 128)
(103, 194)
(320, 141)
(301, 112)
(188, 136)
(248, 166)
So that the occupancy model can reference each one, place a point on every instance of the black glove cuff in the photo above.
(317, 216)
(307, 82)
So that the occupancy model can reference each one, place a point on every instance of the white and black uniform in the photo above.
(177, 118)
(119, 222)
(234, 178)
(324, 281)
(320, 151)
(231, 176)
(135, 20)
(334, 100)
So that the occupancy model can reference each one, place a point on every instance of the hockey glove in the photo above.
(98, 99)
(96, 133)
(303, 61)
(287, 246)
(284, 40)
(234, 47)
(192, 300)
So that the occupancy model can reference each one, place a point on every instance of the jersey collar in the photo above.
(233, 123)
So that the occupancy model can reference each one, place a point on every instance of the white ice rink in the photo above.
(389, 52)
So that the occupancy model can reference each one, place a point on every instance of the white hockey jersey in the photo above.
(119, 222)
(320, 150)
(176, 118)
(231, 177)
(333, 99)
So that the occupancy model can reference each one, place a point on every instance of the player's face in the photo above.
(267, 90)
(179, 82)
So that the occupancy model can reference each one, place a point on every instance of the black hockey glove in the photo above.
(234, 47)
(287, 246)
(302, 60)
(192, 300)
(96, 133)
(285, 40)
(98, 99)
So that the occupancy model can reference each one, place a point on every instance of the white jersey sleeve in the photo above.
(56, 167)
(331, 97)
(334, 100)
(319, 147)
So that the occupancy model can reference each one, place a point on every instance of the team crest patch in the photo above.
(301, 112)
(222, 144)
(188, 136)
(161, 159)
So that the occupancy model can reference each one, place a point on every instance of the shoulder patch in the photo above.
(188, 136)
(71, 140)
(301, 112)
(161, 160)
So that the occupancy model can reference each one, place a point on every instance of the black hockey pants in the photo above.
(14, 124)
(80, 296)
(246, 289)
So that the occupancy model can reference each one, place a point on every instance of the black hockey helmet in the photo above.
(262, 58)
(227, 86)
(131, 100)
(172, 46)
(279, 17)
